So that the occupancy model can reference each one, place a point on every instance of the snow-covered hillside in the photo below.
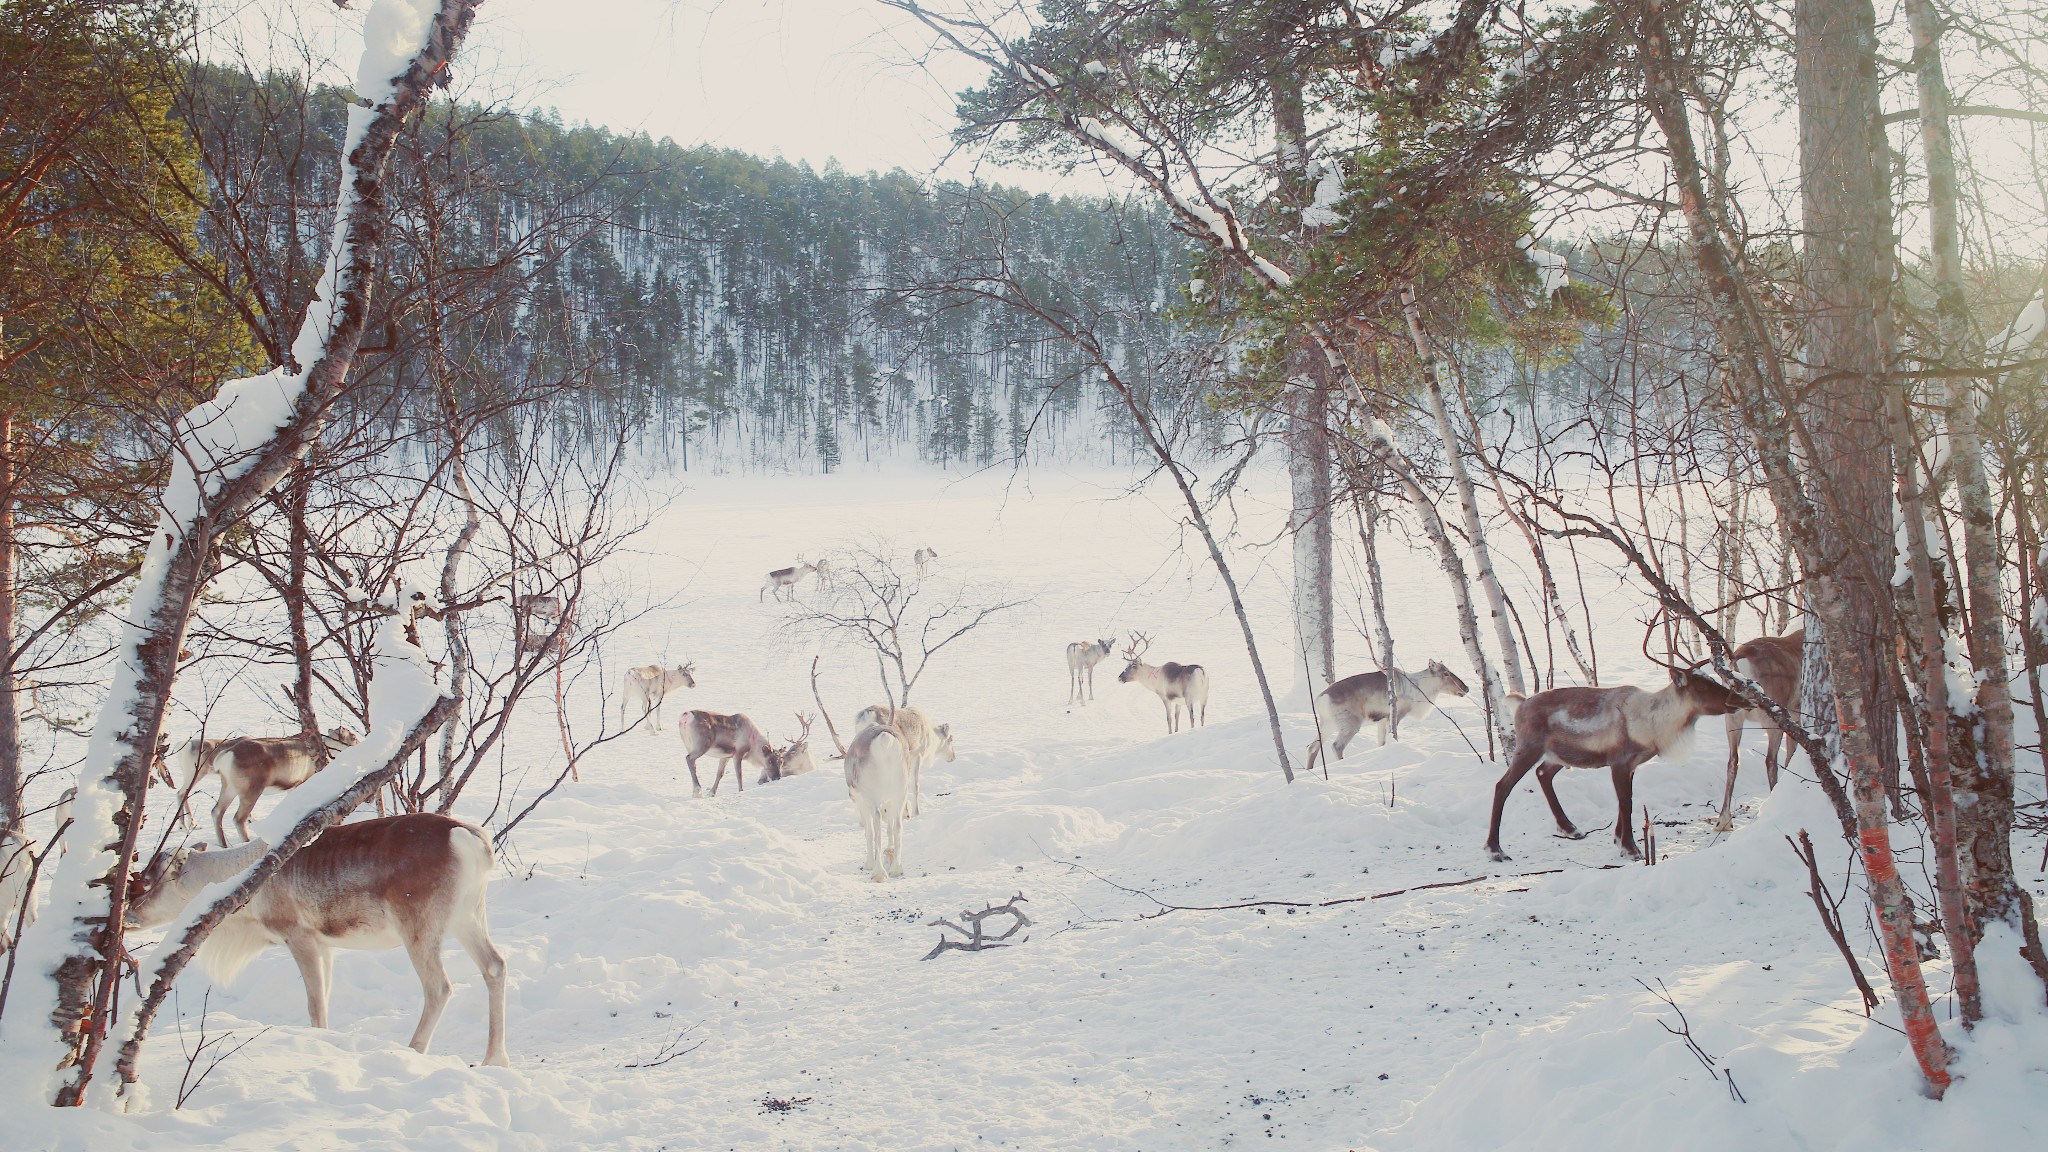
(720, 973)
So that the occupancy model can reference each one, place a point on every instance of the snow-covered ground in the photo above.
(720, 973)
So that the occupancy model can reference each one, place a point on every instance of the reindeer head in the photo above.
(342, 737)
(1452, 685)
(1105, 646)
(686, 672)
(944, 733)
(1134, 654)
(1707, 696)
(793, 758)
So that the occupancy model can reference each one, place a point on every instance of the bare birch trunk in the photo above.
(1756, 380)
(1552, 601)
(1984, 807)
(1931, 639)
(1468, 499)
(73, 958)
(1308, 440)
(10, 707)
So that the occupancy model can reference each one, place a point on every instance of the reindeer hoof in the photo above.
(1724, 825)
(879, 877)
(696, 792)
(1571, 834)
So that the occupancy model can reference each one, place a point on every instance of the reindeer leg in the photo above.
(871, 823)
(1724, 823)
(1524, 760)
(220, 811)
(1771, 750)
(696, 785)
(1546, 775)
(426, 960)
(720, 777)
(473, 931)
(1624, 800)
(894, 823)
(315, 968)
(242, 811)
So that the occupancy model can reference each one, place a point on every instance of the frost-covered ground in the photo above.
(772, 997)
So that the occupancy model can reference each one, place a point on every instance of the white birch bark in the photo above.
(228, 452)
(1468, 500)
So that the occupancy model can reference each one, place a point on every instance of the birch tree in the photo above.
(229, 452)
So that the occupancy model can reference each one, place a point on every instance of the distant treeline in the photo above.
(723, 309)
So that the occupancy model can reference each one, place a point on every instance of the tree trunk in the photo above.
(1931, 642)
(1984, 808)
(1551, 599)
(1308, 439)
(232, 451)
(297, 496)
(1468, 499)
(11, 799)
(1756, 379)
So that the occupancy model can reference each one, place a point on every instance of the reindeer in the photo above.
(395, 881)
(1345, 706)
(252, 765)
(878, 779)
(793, 758)
(1172, 683)
(17, 894)
(732, 736)
(822, 571)
(923, 744)
(924, 558)
(784, 580)
(1616, 727)
(648, 686)
(1082, 657)
(540, 622)
(1774, 663)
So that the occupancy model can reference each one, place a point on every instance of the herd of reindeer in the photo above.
(412, 880)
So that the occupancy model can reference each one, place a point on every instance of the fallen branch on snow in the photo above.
(1165, 907)
(975, 940)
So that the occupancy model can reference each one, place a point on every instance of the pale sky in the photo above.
(811, 79)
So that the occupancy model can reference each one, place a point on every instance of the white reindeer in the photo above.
(1082, 657)
(397, 881)
(924, 745)
(877, 778)
(782, 582)
(1174, 684)
(649, 685)
(1344, 707)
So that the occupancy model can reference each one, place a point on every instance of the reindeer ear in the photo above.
(1679, 677)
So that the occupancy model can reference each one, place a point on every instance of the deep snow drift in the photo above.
(720, 973)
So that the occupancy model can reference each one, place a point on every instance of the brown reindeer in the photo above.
(1774, 663)
(253, 765)
(734, 737)
(793, 758)
(1174, 684)
(397, 881)
(1619, 728)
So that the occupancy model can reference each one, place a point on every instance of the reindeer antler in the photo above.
(1139, 643)
(805, 719)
